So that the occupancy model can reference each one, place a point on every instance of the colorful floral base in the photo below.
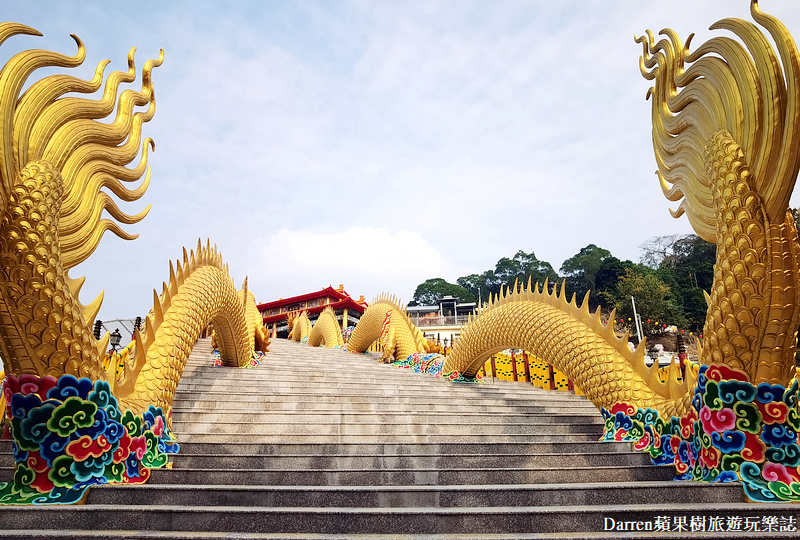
(423, 363)
(734, 431)
(254, 362)
(457, 377)
(70, 434)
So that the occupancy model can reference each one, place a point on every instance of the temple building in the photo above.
(348, 311)
(442, 322)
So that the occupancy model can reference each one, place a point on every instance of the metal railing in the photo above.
(440, 320)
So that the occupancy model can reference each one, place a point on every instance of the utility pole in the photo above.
(637, 320)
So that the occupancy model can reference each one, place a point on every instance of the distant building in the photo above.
(442, 321)
(348, 311)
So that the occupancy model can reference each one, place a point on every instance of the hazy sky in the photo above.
(378, 144)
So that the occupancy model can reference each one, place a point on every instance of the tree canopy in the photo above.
(431, 291)
(667, 286)
(593, 269)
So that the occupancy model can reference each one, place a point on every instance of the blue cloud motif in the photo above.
(683, 451)
(696, 445)
(34, 426)
(767, 393)
(776, 435)
(102, 396)
(728, 441)
(69, 386)
(168, 448)
(88, 469)
(732, 391)
(20, 405)
(701, 379)
(697, 401)
(675, 426)
(52, 447)
(132, 466)
(99, 426)
(727, 476)
(114, 431)
(19, 455)
(622, 420)
(788, 455)
(790, 397)
(150, 415)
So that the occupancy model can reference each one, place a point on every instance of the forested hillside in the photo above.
(667, 284)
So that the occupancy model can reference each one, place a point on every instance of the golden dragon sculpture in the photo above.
(726, 133)
(386, 319)
(402, 343)
(326, 331)
(299, 326)
(73, 423)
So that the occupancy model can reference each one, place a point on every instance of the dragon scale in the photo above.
(753, 314)
(386, 319)
(326, 331)
(42, 324)
(59, 167)
(200, 292)
(575, 342)
(726, 136)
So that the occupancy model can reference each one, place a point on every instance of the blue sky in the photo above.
(378, 144)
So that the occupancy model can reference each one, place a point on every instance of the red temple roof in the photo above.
(338, 299)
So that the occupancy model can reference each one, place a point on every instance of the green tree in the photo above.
(686, 264)
(582, 268)
(653, 297)
(481, 285)
(431, 291)
(522, 265)
(606, 279)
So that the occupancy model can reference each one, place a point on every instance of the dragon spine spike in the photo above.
(166, 301)
(690, 380)
(180, 273)
(149, 330)
(90, 311)
(102, 343)
(139, 349)
(158, 314)
(173, 281)
(612, 319)
(75, 285)
(675, 386)
(585, 314)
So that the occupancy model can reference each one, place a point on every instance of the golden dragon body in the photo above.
(726, 133)
(386, 320)
(75, 425)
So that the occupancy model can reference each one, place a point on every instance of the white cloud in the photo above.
(364, 259)
(437, 136)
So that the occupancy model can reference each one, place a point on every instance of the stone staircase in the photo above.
(318, 443)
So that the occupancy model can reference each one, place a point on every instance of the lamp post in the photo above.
(653, 353)
(115, 337)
